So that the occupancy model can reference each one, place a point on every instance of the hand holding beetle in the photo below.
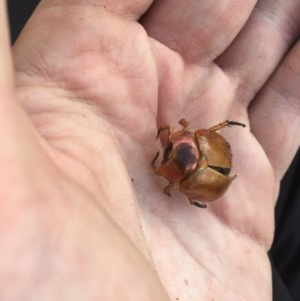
(82, 212)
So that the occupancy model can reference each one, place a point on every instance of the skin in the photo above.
(82, 94)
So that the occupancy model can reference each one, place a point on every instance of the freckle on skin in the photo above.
(186, 282)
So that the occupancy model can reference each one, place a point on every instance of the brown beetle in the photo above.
(199, 162)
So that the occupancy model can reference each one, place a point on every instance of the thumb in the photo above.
(20, 145)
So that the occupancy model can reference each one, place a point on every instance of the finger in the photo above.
(128, 9)
(6, 73)
(256, 52)
(198, 30)
(275, 113)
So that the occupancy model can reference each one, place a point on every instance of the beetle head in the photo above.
(180, 156)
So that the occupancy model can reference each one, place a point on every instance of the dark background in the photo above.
(285, 252)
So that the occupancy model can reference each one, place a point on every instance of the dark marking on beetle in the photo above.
(185, 156)
(223, 170)
(167, 153)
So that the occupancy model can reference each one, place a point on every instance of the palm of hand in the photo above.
(106, 88)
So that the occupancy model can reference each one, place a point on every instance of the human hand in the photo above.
(95, 87)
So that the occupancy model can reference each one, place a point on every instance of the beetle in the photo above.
(199, 162)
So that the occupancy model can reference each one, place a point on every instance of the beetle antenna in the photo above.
(185, 124)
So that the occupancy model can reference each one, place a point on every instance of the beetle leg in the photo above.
(185, 124)
(231, 122)
(168, 188)
(197, 204)
(154, 167)
(164, 128)
(225, 123)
